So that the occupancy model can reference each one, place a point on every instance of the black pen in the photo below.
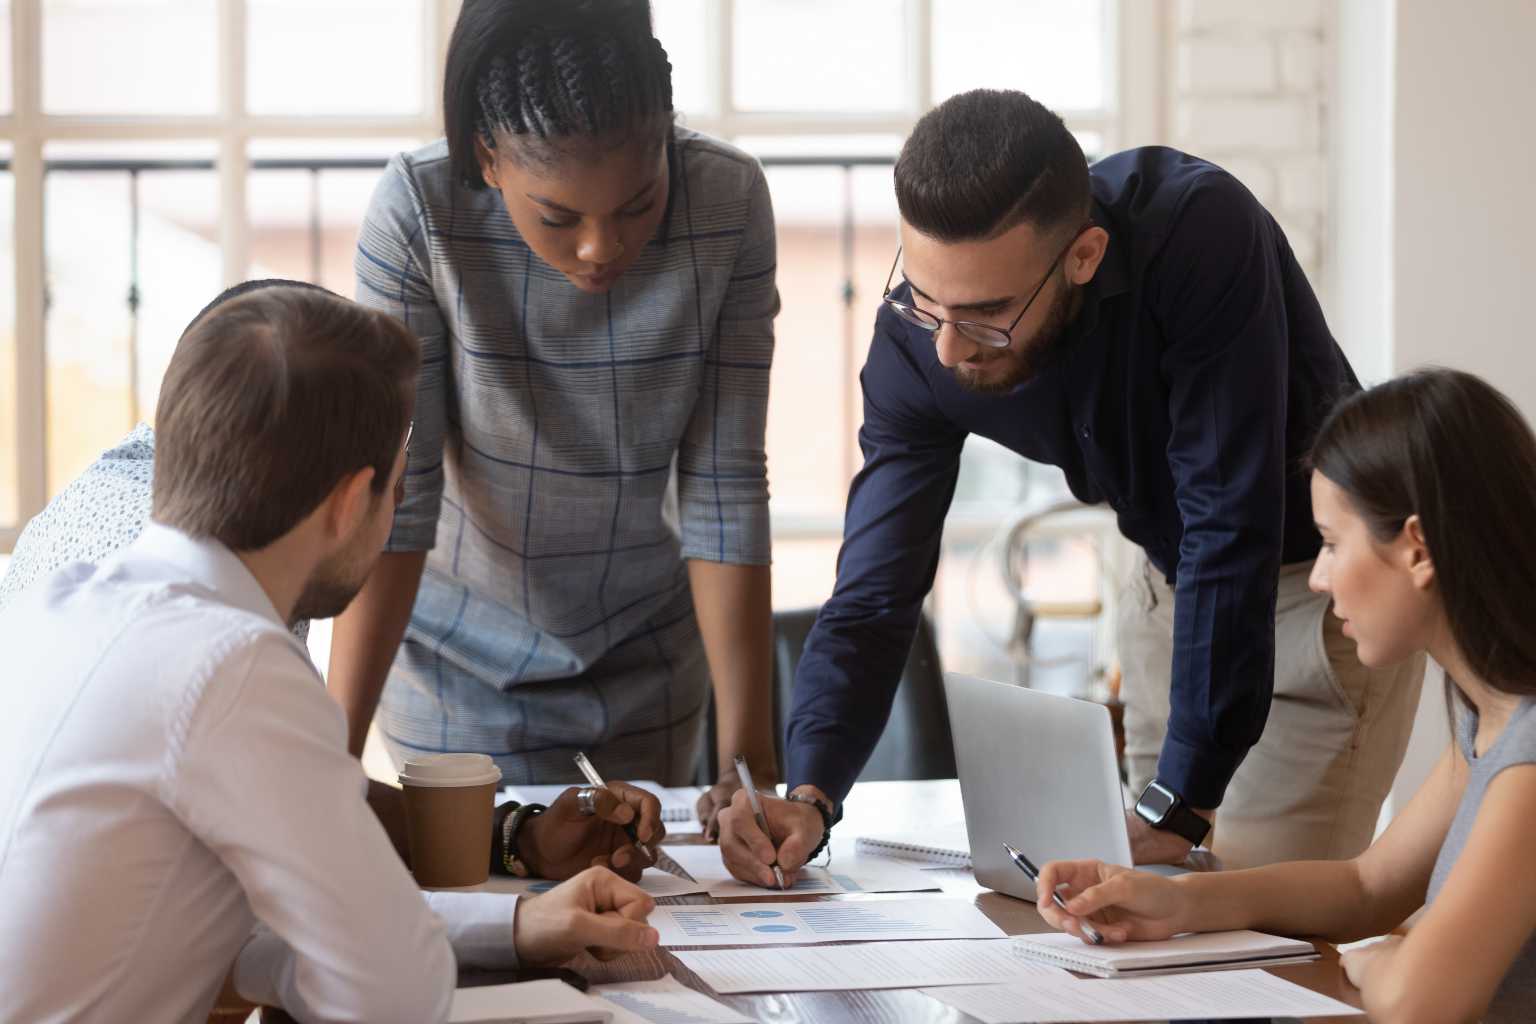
(1034, 876)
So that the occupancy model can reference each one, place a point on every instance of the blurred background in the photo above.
(153, 151)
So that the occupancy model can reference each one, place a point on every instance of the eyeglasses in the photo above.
(985, 335)
(406, 448)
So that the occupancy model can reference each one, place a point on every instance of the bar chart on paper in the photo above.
(664, 1001)
(767, 924)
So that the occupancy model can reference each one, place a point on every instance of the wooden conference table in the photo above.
(897, 807)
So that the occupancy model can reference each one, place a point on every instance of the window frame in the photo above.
(1136, 41)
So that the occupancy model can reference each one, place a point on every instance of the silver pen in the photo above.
(1033, 875)
(596, 780)
(745, 775)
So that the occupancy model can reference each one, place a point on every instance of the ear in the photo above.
(485, 156)
(348, 504)
(1087, 252)
(1416, 553)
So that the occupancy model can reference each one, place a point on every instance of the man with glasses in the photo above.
(1144, 326)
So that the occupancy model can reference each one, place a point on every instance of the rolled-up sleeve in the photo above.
(722, 466)
(1218, 291)
(394, 270)
(848, 674)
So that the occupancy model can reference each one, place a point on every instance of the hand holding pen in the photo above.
(1032, 873)
(757, 811)
(587, 801)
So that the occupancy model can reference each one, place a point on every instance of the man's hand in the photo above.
(596, 911)
(1358, 963)
(714, 800)
(562, 841)
(1159, 846)
(748, 854)
(1123, 904)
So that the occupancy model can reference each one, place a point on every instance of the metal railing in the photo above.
(315, 167)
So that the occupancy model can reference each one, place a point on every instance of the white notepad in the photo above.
(527, 1002)
(945, 846)
(1204, 952)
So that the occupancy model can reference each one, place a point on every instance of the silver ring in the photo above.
(586, 801)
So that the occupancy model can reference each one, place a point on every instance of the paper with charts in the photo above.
(772, 924)
(664, 1001)
(1218, 995)
(843, 875)
(865, 965)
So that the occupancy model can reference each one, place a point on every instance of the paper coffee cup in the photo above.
(448, 804)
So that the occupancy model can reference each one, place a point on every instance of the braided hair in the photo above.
(546, 73)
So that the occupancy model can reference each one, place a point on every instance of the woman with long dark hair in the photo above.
(1424, 489)
(594, 292)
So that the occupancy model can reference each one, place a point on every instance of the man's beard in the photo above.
(1016, 366)
(331, 588)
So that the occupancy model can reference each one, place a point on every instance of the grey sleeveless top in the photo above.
(1515, 999)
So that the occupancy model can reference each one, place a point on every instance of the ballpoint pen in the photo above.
(596, 780)
(745, 775)
(1034, 876)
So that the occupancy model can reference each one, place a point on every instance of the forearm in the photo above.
(734, 605)
(389, 807)
(1312, 898)
(366, 637)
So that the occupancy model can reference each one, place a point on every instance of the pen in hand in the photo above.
(596, 780)
(1030, 872)
(745, 775)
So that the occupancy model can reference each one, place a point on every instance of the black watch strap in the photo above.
(1162, 808)
(1184, 822)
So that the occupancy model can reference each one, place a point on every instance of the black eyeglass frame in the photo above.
(986, 335)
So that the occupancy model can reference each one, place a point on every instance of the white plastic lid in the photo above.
(445, 770)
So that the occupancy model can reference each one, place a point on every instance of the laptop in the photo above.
(1037, 771)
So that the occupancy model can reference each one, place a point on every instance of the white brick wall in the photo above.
(1251, 92)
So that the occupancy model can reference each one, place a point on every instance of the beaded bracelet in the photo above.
(827, 820)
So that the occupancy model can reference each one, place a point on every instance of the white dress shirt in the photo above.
(172, 772)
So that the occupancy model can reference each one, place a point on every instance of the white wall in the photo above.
(1465, 145)
(1250, 86)
(1360, 247)
(1430, 252)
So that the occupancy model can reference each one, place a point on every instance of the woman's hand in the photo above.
(596, 911)
(1124, 905)
(1359, 962)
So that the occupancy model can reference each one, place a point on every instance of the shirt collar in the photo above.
(210, 563)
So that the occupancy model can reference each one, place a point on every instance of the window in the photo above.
(172, 146)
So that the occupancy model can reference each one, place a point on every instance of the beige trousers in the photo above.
(1312, 787)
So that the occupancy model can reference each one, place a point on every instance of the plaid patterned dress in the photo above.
(570, 452)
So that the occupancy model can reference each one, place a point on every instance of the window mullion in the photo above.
(234, 137)
(30, 260)
(721, 16)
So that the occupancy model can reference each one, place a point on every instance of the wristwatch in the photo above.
(1162, 808)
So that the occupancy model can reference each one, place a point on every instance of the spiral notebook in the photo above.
(1211, 951)
(945, 846)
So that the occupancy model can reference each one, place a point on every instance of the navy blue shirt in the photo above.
(1190, 386)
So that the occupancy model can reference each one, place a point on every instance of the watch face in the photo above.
(1154, 804)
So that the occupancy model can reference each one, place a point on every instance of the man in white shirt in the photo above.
(171, 769)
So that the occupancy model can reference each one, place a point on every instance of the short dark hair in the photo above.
(985, 161)
(1448, 447)
(271, 399)
(551, 71)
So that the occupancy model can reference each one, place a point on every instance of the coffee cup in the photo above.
(448, 803)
